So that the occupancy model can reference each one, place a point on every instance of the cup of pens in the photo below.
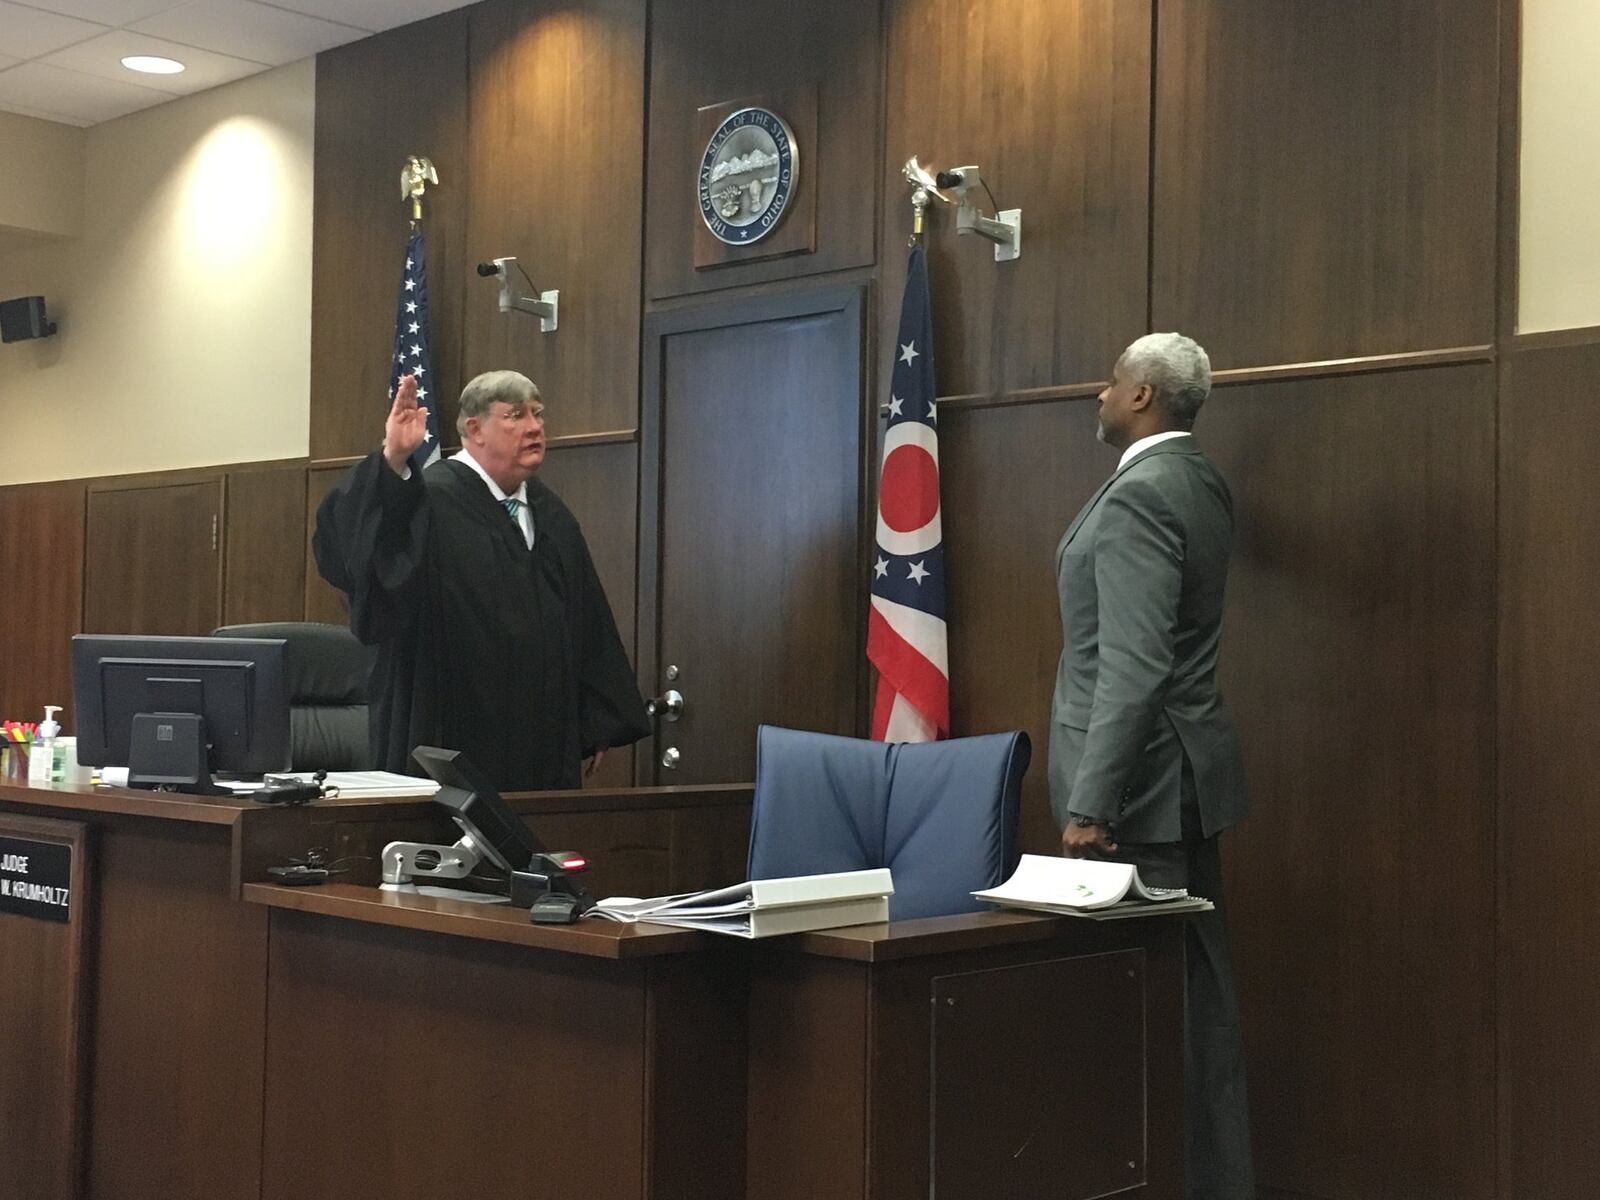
(16, 739)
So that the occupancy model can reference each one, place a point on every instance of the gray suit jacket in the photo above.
(1141, 574)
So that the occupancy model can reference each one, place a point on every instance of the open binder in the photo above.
(1081, 887)
(766, 907)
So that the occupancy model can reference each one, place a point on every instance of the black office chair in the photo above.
(325, 671)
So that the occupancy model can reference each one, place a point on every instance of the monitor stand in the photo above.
(407, 862)
(169, 752)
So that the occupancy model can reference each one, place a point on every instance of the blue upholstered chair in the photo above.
(942, 816)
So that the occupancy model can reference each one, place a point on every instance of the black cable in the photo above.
(993, 203)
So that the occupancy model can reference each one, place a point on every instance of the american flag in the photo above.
(411, 343)
(906, 627)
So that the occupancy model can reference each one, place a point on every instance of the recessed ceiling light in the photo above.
(150, 64)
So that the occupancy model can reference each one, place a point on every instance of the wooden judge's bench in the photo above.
(176, 1027)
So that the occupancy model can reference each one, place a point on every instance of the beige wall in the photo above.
(41, 177)
(184, 305)
(1560, 204)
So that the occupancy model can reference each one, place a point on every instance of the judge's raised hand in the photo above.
(406, 427)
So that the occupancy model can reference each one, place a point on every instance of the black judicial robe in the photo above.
(507, 654)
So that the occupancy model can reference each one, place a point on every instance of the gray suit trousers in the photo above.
(1217, 1162)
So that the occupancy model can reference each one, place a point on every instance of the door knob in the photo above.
(668, 705)
(670, 758)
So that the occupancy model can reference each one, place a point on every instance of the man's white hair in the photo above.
(479, 396)
(1177, 371)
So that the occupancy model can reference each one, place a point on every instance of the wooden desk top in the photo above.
(485, 922)
(966, 931)
(164, 806)
(225, 810)
(607, 939)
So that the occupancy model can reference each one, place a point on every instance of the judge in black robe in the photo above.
(507, 653)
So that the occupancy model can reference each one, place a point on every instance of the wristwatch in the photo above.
(1086, 822)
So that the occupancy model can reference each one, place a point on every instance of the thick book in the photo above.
(766, 907)
(1081, 887)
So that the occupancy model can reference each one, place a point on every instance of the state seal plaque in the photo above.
(748, 175)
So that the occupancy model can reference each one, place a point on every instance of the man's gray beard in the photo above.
(1100, 432)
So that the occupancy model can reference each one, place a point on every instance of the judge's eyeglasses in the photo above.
(516, 414)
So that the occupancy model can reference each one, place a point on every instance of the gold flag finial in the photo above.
(414, 179)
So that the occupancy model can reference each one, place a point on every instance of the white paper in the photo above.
(1075, 883)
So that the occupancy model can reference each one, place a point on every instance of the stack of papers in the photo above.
(766, 907)
(1080, 887)
(350, 783)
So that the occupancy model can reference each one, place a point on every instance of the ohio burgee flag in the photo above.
(906, 626)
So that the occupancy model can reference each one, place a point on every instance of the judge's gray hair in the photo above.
(480, 395)
(1177, 371)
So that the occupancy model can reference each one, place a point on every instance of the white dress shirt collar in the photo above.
(524, 515)
(495, 489)
(1145, 443)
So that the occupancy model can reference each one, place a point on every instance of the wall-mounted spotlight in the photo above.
(1004, 229)
(544, 305)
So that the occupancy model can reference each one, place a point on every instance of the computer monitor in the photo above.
(231, 689)
(542, 881)
(477, 808)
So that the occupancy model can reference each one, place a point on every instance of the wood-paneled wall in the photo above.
(1053, 102)
(379, 101)
(555, 167)
(1548, 821)
(1410, 624)
(1324, 176)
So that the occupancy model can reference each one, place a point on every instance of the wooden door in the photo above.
(751, 548)
(154, 560)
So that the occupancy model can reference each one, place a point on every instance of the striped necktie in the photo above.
(513, 508)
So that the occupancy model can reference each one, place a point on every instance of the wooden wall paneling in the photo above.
(41, 582)
(1014, 477)
(556, 156)
(44, 982)
(391, 95)
(351, 1005)
(707, 52)
(264, 560)
(1358, 659)
(153, 559)
(323, 602)
(1508, 269)
(808, 1073)
(600, 485)
(1053, 102)
(1548, 823)
(1325, 176)
(180, 987)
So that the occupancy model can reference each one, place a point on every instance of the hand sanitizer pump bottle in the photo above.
(42, 754)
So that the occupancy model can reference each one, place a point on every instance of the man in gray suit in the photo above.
(1144, 762)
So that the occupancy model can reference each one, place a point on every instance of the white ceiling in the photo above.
(61, 59)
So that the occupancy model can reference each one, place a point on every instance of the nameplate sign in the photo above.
(35, 878)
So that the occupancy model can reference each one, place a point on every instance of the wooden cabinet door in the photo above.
(41, 591)
(752, 565)
(154, 560)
